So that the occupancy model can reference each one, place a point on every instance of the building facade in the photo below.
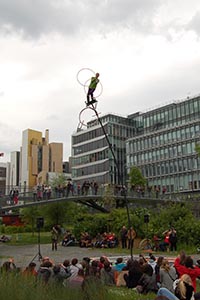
(92, 158)
(4, 178)
(14, 169)
(165, 148)
(38, 157)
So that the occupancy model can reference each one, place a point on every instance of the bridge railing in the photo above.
(26, 196)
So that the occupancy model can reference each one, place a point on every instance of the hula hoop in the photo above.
(83, 69)
(82, 122)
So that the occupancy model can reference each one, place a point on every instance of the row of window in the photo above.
(93, 169)
(170, 167)
(90, 146)
(162, 153)
(180, 183)
(163, 139)
(116, 130)
(90, 158)
(88, 135)
(186, 110)
(124, 132)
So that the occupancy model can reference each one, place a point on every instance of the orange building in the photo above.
(38, 156)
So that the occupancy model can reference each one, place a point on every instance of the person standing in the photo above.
(173, 239)
(54, 237)
(92, 87)
(123, 234)
(131, 234)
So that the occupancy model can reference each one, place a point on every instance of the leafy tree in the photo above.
(29, 215)
(180, 216)
(108, 197)
(197, 149)
(119, 218)
(136, 177)
(55, 213)
(60, 179)
(85, 222)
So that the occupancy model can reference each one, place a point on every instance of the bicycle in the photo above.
(148, 245)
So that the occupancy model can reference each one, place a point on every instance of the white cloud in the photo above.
(147, 53)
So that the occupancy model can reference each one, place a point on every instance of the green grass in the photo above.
(29, 238)
(18, 287)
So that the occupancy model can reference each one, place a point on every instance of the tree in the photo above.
(197, 149)
(60, 179)
(108, 197)
(136, 177)
(29, 215)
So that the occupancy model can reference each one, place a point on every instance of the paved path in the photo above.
(24, 254)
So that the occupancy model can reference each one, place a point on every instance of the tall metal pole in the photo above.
(120, 177)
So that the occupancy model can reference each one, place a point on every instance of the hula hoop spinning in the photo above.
(89, 80)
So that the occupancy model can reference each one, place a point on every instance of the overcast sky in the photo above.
(146, 51)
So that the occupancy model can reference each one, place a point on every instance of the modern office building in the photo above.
(4, 178)
(14, 169)
(92, 158)
(38, 156)
(160, 142)
(165, 148)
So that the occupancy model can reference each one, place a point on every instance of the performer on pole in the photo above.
(91, 89)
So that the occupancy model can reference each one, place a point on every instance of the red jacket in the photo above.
(193, 273)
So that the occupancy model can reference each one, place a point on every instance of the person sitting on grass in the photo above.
(30, 270)
(107, 274)
(189, 268)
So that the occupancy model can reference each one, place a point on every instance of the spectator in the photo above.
(131, 234)
(173, 239)
(157, 269)
(45, 271)
(188, 268)
(107, 274)
(152, 261)
(94, 269)
(167, 275)
(58, 274)
(30, 270)
(147, 282)
(66, 267)
(74, 268)
(123, 235)
(8, 266)
(164, 246)
(184, 289)
(119, 265)
(76, 281)
(134, 273)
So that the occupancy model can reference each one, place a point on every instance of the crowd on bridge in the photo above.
(172, 280)
(46, 191)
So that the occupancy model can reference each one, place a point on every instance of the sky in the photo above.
(146, 51)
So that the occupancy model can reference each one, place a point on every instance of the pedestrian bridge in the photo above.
(101, 202)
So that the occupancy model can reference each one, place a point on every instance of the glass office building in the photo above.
(92, 158)
(164, 148)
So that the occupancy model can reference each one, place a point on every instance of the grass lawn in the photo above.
(29, 238)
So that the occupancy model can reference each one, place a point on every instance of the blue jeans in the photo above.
(165, 292)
